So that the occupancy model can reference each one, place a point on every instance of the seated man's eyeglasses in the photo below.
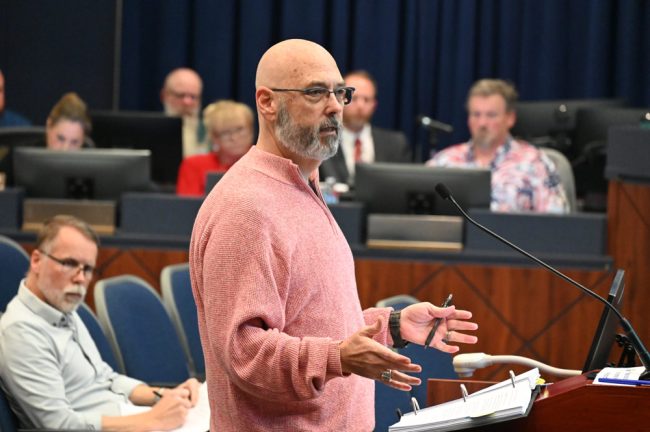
(71, 265)
(317, 94)
(181, 95)
(230, 133)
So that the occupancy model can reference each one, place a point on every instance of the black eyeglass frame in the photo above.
(72, 264)
(322, 92)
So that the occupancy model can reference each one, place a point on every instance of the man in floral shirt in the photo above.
(523, 177)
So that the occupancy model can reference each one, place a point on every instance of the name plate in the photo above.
(422, 232)
(100, 215)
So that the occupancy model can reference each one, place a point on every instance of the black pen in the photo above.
(158, 394)
(437, 322)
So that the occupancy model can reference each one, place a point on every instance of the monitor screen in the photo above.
(212, 178)
(410, 189)
(153, 131)
(607, 327)
(10, 137)
(589, 146)
(549, 123)
(84, 174)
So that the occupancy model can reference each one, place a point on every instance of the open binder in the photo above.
(509, 399)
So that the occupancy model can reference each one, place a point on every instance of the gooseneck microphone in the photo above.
(640, 349)
(434, 124)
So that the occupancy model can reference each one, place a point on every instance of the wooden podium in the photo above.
(573, 404)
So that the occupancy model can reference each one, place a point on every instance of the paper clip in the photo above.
(416, 405)
(512, 378)
(399, 414)
(463, 391)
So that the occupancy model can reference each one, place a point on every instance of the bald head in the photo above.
(293, 61)
(181, 93)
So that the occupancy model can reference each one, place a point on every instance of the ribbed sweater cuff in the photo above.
(334, 367)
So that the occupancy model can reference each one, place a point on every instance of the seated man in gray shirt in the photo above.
(50, 367)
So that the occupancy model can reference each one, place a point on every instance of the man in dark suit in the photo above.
(362, 142)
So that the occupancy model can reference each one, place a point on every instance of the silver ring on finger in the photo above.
(387, 375)
(447, 337)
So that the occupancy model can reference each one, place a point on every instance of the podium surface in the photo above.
(573, 404)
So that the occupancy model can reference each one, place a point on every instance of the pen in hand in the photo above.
(437, 322)
(157, 394)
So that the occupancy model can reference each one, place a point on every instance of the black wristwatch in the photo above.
(393, 324)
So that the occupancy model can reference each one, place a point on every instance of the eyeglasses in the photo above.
(181, 95)
(316, 94)
(71, 265)
(229, 133)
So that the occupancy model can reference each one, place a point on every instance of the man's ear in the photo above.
(34, 260)
(267, 104)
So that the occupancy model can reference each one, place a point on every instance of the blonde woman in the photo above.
(230, 130)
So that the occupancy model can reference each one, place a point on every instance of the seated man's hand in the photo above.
(170, 411)
(190, 390)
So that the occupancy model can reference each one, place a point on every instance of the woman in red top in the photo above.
(230, 128)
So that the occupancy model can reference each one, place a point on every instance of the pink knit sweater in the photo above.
(274, 283)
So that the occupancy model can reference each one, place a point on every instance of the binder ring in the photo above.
(387, 375)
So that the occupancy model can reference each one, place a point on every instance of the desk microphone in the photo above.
(430, 123)
(640, 349)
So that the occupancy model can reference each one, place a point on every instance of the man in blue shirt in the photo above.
(9, 118)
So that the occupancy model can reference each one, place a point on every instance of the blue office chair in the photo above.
(179, 302)
(14, 263)
(398, 302)
(94, 328)
(8, 420)
(140, 331)
(435, 364)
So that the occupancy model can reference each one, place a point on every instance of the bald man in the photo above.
(286, 344)
(181, 97)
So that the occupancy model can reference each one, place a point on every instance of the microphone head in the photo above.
(443, 191)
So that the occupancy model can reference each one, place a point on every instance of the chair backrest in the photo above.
(179, 302)
(14, 263)
(435, 364)
(397, 302)
(140, 331)
(12, 137)
(101, 340)
(8, 420)
(387, 401)
(565, 171)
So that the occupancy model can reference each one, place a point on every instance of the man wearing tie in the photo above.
(362, 142)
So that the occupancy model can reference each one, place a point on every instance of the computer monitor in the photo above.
(589, 144)
(212, 178)
(410, 189)
(549, 123)
(11, 137)
(607, 327)
(160, 134)
(102, 174)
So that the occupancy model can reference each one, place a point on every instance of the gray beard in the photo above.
(305, 141)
